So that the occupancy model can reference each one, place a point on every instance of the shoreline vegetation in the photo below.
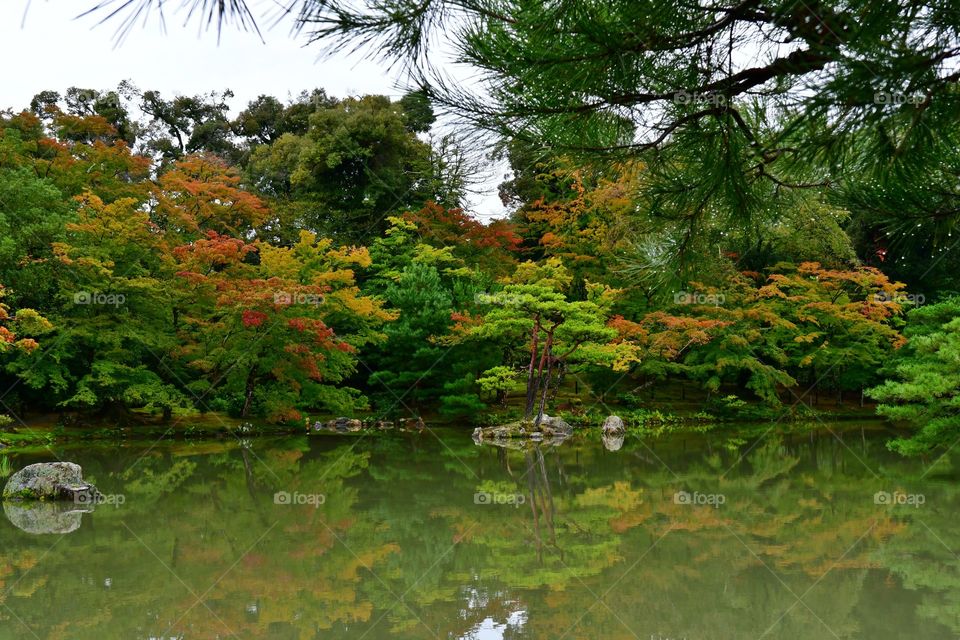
(658, 418)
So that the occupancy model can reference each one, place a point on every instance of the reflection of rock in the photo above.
(340, 424)
(45, 517)
(352, 424)
(345, 424)
(411, 423)
(613, 424)
(612, 441)
(549, 428)
(50, 481)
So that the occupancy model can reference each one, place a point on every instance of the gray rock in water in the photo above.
(45, 517)
(613, 424)
(551, 425)
(50, 481)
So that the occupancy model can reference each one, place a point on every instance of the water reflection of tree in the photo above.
(400, 547)
(797, 516)
(540, 499)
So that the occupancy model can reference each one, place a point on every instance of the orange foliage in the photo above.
(454, 227)
(200, 193)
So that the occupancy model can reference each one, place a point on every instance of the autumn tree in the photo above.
(17, 331)
(760, 335)
(491, 247)
(112, 106)
(272, 335)
(846, 321)
(200, 193)
(114, 322)
(74, 153)
(590, 221)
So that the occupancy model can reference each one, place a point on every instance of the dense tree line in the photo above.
(311, 257)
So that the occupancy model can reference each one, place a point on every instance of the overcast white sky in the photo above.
(45, 47)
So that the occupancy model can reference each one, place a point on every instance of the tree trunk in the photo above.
(248, 394)
(531, 389)
(561, 370)
(546, 387)
(544, 381)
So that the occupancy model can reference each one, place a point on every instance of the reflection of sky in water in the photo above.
(490, 629)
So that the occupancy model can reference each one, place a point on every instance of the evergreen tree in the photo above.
(409, 367)
(924, 391)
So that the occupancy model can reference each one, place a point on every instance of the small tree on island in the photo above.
(533, 309)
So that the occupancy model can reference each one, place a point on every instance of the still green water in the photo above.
(429, 535)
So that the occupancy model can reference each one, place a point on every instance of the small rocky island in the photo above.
(548, 427)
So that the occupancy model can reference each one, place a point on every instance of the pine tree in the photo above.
(925, 389)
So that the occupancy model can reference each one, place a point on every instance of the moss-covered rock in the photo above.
(50, 481)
